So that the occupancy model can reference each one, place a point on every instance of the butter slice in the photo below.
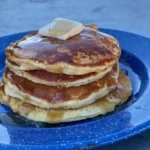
(61, 29)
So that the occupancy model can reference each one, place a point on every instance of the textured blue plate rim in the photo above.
(109, 139)
(84, 144)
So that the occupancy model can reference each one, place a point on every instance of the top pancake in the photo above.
(89, 51)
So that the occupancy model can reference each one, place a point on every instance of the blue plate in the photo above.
(127, 120)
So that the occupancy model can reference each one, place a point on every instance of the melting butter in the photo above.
(61, 29)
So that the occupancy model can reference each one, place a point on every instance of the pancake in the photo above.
(89, 51)
(92, 26)
(101, 106)
(55, 79)
(56, 97)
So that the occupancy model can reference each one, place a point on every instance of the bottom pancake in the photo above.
(53, 116)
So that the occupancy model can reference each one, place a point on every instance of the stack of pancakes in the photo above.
(53, 81)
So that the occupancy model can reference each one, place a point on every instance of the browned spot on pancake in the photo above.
(56, 94)
(1, 90)
(55, 114)
(122, 88)
(121, 92)
(1, 83)
(79, 50)
(13, 63)
(26, 108)
(92, 26)
(63, 50)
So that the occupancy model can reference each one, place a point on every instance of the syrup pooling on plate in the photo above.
(57, 94)
(87, 48)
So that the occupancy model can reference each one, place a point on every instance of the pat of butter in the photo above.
(61, 29)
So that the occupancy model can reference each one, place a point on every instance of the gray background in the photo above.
(128, 15)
